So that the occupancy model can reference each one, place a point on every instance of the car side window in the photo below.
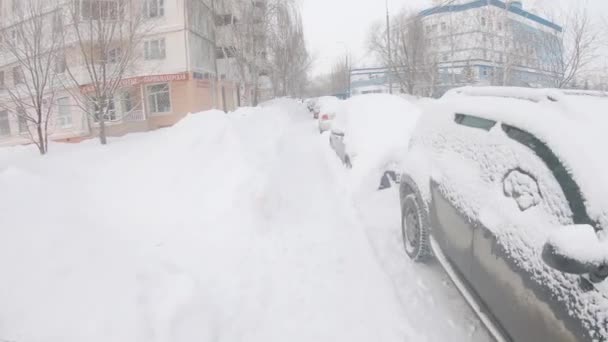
(569, 187)
(474, 121)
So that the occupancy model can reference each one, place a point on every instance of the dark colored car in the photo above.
(492, 175)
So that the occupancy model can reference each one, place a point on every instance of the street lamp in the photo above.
(390, 54)
(347, 64)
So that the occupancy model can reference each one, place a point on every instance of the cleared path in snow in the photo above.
(222, 228)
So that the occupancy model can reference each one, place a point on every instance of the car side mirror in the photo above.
(575, 249)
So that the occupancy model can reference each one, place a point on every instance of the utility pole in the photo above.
(390, 54)
(350, 71)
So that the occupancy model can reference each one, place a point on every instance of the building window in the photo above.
(110, 110)
(64, 115)
(113, 56)
(60, 64)
(499, 26)
(57, 23)
(18, 76)
(154, 49)
(99, 9)
(159, 98)
(444, 26)
(17, 6)
(126, 101)
(229, 19)
(13, 35)
(2, 84)
(5, 128)
(154, 8)
(483, 21)
(22, 119)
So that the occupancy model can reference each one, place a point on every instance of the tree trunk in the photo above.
(102, 130)
(42, 141)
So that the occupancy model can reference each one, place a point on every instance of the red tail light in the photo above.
(325, 117)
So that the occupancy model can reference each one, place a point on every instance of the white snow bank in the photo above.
(222, 228)
(328, 104)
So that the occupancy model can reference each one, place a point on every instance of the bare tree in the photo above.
(288, 55)
(411, 62)
(108, 37)
(338, 80)
(245, 44)
(33, 44)
(577, 49)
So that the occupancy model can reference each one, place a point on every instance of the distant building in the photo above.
(369, 81)
(177, 75)
(492, 42)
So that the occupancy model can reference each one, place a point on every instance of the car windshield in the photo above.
(303, 170)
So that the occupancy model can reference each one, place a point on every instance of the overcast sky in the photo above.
(335, 27)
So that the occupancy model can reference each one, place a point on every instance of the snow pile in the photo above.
(222, 228)
(328, 105)
(377, 130)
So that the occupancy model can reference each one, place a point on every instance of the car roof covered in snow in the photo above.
(572, 123)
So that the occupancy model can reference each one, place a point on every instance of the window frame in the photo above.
(18, 75)
(153, 110)
(113, 55)
(159, 6)
(5, 131)
(22, 123)
(61, 63)
(162, 49)
(64, 119)
(110, 116)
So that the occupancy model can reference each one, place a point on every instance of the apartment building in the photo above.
(242, 23)
(176, 74)
(492, 42)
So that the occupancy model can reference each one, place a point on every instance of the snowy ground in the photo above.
(223, 228)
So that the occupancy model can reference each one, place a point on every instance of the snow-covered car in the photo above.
(326, 108)
(311, 106)
(371, 133)
(508, 189)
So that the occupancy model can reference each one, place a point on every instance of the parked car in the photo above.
(493, 180)
(311, 106)
(325, 109)
(373, 136)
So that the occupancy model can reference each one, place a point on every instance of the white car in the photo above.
(508, 189)
(371, 133)
(326, 108)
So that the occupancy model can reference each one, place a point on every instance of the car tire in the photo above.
(415, 229)
(347, 162)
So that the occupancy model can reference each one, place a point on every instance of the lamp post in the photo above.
(348, 66)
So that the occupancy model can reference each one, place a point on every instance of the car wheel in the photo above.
(347, 162)
(415, 229)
